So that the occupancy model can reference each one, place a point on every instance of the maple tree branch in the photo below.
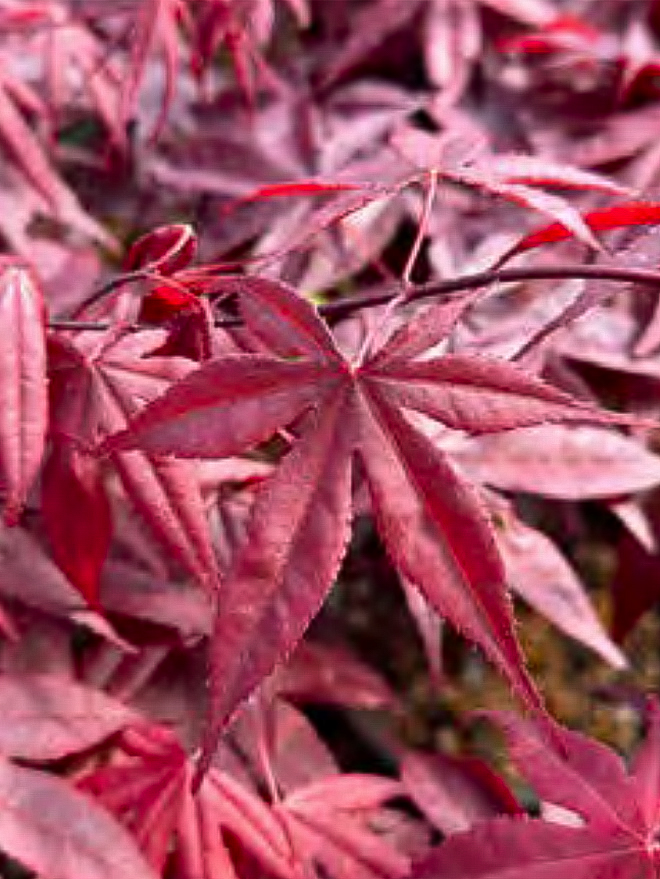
(344, 307)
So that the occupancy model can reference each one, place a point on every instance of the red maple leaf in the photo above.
(97, 382)
(431, 522)
(55, 830)
(416, 158)
(73, 58)
(613, 830)
(225, 820)
(243, 26)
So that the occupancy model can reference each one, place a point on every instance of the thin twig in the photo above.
(344, 307)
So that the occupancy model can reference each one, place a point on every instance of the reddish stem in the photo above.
(344, 307)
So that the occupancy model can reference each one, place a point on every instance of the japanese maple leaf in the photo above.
(576, 43)
(30, 580)
(80, 542)
(431, 521)
(27, 172)
(74, 61)
(70, 47)
(462, 158)
(241, 25)
(615, 829)
(565, 33)
(536, 571)
(54, 830)
(299, 149)
(417, 158)
(46, 823)
(150, 793)
(553, 461)
(97, 383)
(326, 820)
(372, 24)
(622, 135)
(455, 792)
(49, 716)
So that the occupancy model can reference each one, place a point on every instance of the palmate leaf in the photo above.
(151, 794)
(319, 821)
(324, 821)
(463, 159)
(458, 158)
(97, 383)
(538, 572)
(576, 463)
(28, 576)
(614, 836)
(72, 57)
(431, 522)
(241, 25)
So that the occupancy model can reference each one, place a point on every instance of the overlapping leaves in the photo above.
(612, 818)
(320, 822)
(431, 522)
(96, 385)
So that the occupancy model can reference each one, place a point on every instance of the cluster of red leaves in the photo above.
(325, 323)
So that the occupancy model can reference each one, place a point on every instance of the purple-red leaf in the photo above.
(640, 213)
(538, 572)
(23, 384)
(53, 829)
(77, 516)
(577, 773)
(282, 574)
(166, 494)
(455, 793)
(165, 250)
(432, 523)
(320, 674)
(28, 575)
(480, 395)
(298, 188)
(327, 821)
(573, 463)
(155, 26)
(509, 847)
(617, 836)
(150, 793)
(46, 717)
(230, 404)
(97, 384)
